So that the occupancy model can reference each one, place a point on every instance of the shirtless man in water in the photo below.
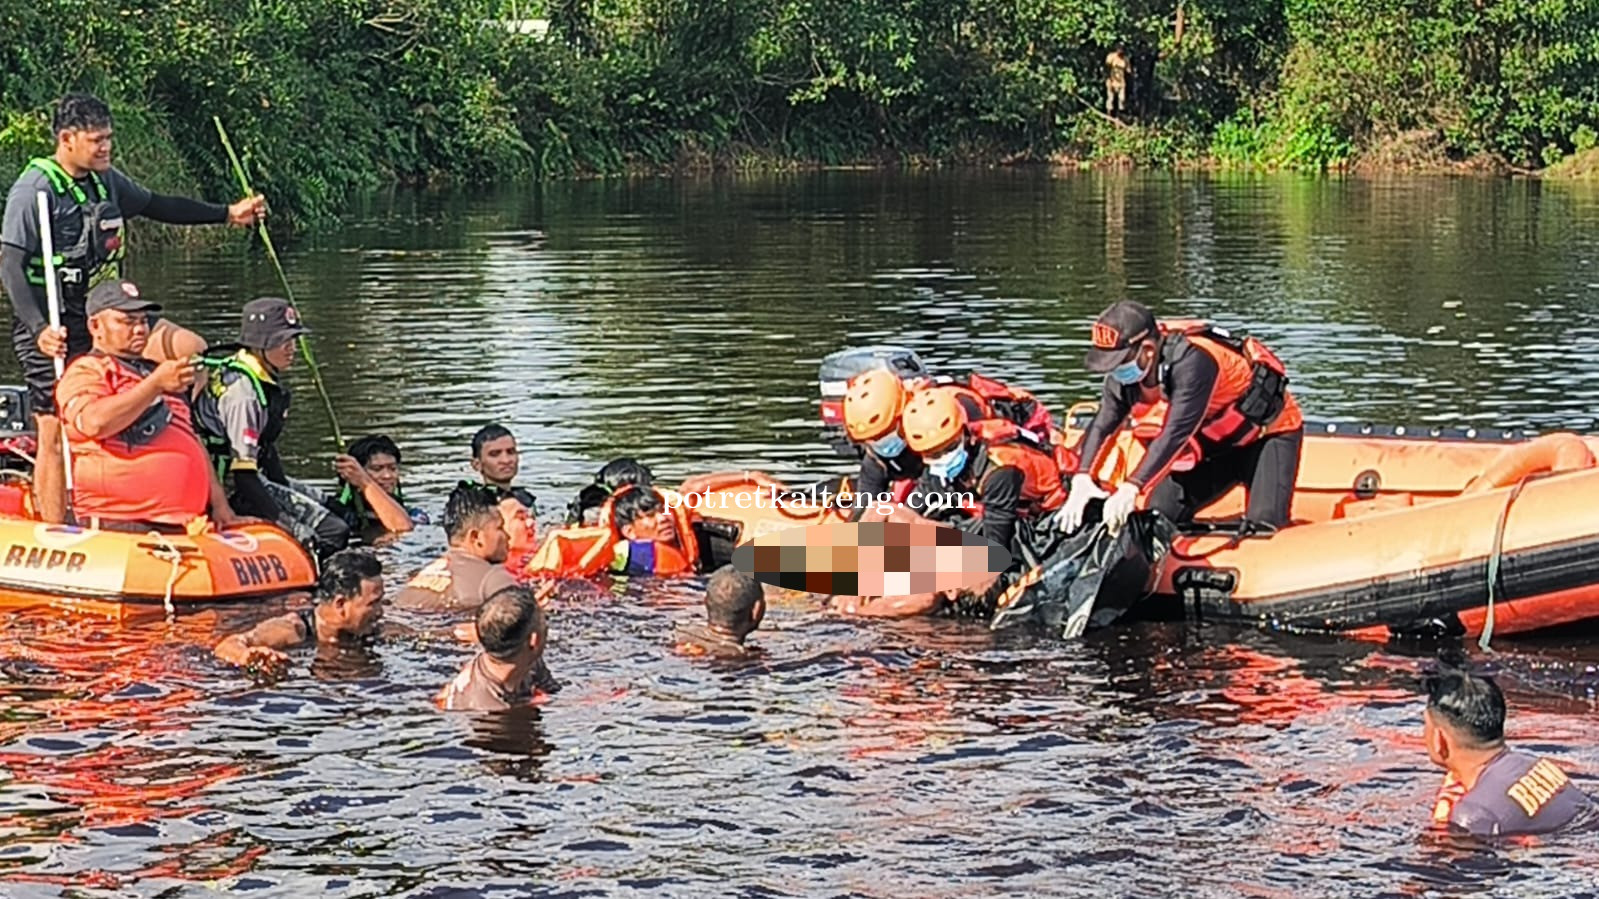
(349, 607)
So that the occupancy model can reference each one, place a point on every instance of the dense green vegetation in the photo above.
(333, 97)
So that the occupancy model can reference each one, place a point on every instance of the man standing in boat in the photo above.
(1229, 420)
(89, 202)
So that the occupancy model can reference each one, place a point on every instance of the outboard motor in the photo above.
(17, 436)
(836, 371)
(1087, 580)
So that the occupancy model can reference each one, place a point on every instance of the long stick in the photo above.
(52, 293)
(288, 292)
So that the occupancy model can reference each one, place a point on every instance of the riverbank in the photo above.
(331, 101)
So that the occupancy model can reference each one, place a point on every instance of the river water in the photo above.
(682, 322)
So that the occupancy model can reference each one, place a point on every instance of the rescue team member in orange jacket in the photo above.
(639, 533)
(873, 403)
(875, 400)
(1009, 480)
(135, 455)
(1230, 420)
(1490, 790)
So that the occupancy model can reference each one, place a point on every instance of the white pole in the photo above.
(52, 294)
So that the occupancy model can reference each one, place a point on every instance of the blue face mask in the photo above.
(1128, 373)
(947, 466)
(889, 445)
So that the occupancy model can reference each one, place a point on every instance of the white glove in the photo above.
(1120, 506)
(1083, 489)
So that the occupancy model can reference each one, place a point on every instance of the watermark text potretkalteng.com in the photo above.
(774, 497)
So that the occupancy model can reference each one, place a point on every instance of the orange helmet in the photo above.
(933, 419)
(872, 404)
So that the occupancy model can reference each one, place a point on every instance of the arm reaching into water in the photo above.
(263, 644)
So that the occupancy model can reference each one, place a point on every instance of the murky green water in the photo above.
(682, 322)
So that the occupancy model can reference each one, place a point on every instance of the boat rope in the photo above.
(1494, 557)
(170, 554)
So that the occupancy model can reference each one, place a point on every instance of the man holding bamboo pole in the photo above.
(89, 201)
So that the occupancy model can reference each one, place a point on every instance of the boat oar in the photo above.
(52, 293)
(288, 292)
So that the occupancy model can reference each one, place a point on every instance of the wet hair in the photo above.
(589, 499)
(619, 473)
(487, 434)
(729, 596)
(632, 503)
(506, 620)
(364, 448)
(343, 573)
(469, 506)
(80, 112)
(1469, 704)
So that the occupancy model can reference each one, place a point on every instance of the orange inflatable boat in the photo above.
(1394, 531)
(61, 562)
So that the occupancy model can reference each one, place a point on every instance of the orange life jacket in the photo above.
(1043, 490)
(589, 551)
(1251, 399)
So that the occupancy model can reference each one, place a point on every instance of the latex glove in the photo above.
(1120, 506)
(1083, 490)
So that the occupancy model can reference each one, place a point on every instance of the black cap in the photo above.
(270, 322)
(1116, 331)
(120, 295)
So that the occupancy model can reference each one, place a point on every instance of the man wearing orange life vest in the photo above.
(1010, 480)
(135, 456)
(1230, 420)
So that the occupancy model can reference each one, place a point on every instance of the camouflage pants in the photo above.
(304, 516)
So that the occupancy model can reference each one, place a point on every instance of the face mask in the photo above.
(947, 466)
(1128, 373)
(889, 445)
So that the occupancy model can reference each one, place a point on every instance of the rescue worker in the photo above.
(1010, 481)
(241, 417)
(512, 631)
(1229, 419)
(370, 497)
(873, 403)
(348, 609)
(735, 604)
(1490, 790)
(135, 456)
(470, 570)
(90, 201)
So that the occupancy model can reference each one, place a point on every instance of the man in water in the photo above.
(1490, 790)
(471, 569)
(89, 202)
(369, 497)
(496, 460)
(735, 604)
(348, 609)
(512, 632)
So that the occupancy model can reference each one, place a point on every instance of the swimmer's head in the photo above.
(620, 473)
(637, 515)
(734, 601)
(1464, 712)
(511, 627)
(351, 585)
(473, 523)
